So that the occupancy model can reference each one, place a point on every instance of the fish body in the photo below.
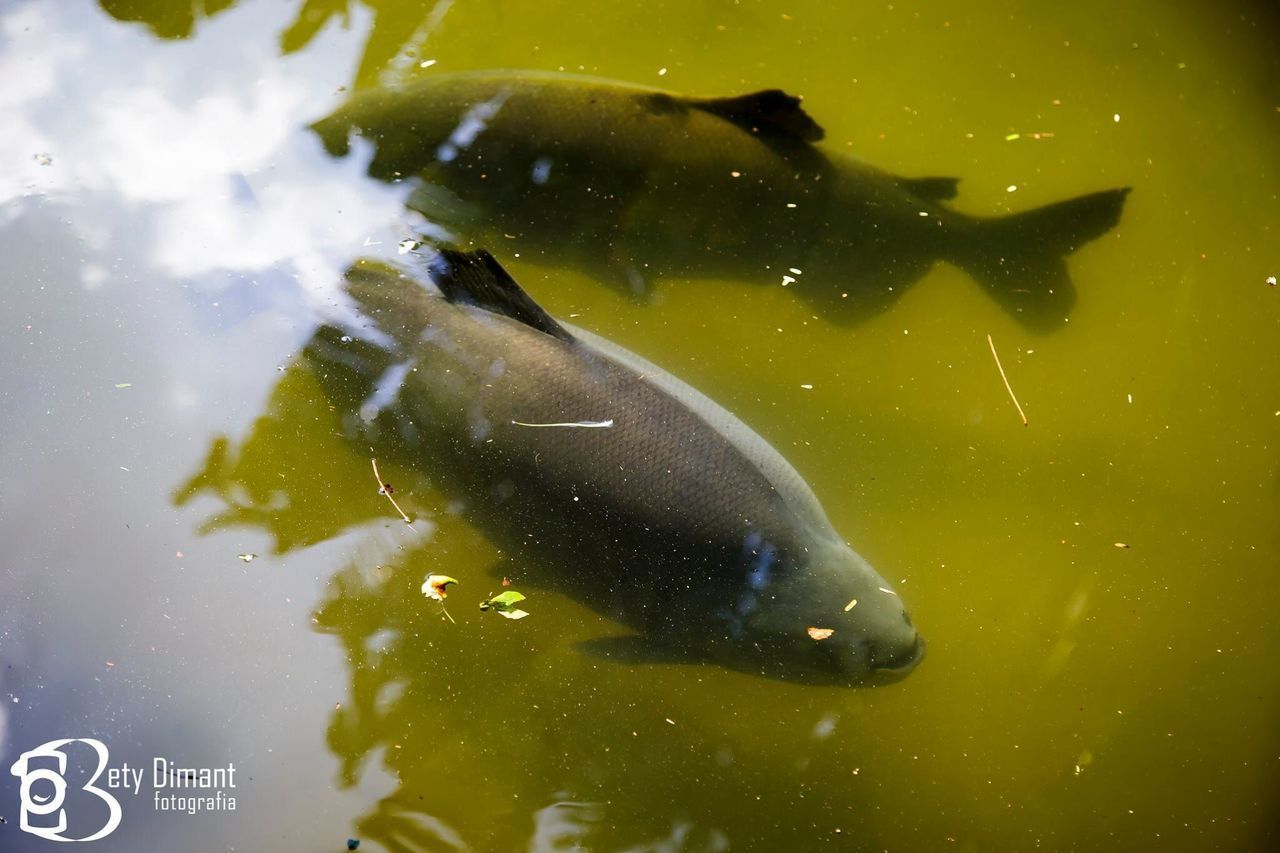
(635, 184)
(646, 500)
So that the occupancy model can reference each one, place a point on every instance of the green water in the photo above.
(172, 236)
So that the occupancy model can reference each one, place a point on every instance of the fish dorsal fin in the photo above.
(476, 278)
(771, 112)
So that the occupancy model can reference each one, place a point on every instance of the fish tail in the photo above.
(1021, 259)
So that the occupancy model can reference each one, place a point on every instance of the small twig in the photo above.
(1007, 387)
(445, 611)
(571, 424)
(385, 489)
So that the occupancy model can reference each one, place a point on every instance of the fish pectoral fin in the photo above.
(476, 278)
(771, 112)
(931, 188)
(635, 649)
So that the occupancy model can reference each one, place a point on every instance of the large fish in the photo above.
(635, 493)
(675, 185)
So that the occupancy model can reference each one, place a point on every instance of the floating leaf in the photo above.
(434, 586)
(505, 603)
(820, 633)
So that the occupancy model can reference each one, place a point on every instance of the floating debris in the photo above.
(1123, 546)
(426, 63)
(1012, 188)
(43, 159)
(1271, 280)
(385, 488)
(248, 558)
(1007, 387)
(806, 386)
(124, 384)
(820, 633)
(407, 245)
(435, 586)
(853, 602)
(353, 843)
(505, 604)
(578, 424)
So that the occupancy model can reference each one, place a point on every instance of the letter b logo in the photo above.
(43, 772)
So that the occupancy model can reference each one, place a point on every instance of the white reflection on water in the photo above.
(231, 179)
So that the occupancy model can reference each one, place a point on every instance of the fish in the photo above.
(633, 184)
(633, 492)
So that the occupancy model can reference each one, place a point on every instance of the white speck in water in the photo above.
(541, 170)
(786, 279)
(806, 386)
(662, 72)
(791, 204)
(426, 63)
(1116, 118)
(1012, 188)
(1271, 280)
(1130, 396)
(826, 726)
(407, 245)
(346, 339)
(924, 213)
(735, 174)
(795, 271)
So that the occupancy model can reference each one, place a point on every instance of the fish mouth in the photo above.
(902, 663)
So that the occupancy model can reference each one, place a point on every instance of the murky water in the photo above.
(198, 564)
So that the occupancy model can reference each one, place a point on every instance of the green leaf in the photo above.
(504, 601)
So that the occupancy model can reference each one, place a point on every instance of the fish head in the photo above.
(828, 619)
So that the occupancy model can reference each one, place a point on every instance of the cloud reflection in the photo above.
(215, 165)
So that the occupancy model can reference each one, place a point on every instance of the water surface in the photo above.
(172, 236)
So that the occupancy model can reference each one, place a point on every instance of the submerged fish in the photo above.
(638, 495)
(675, 185)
